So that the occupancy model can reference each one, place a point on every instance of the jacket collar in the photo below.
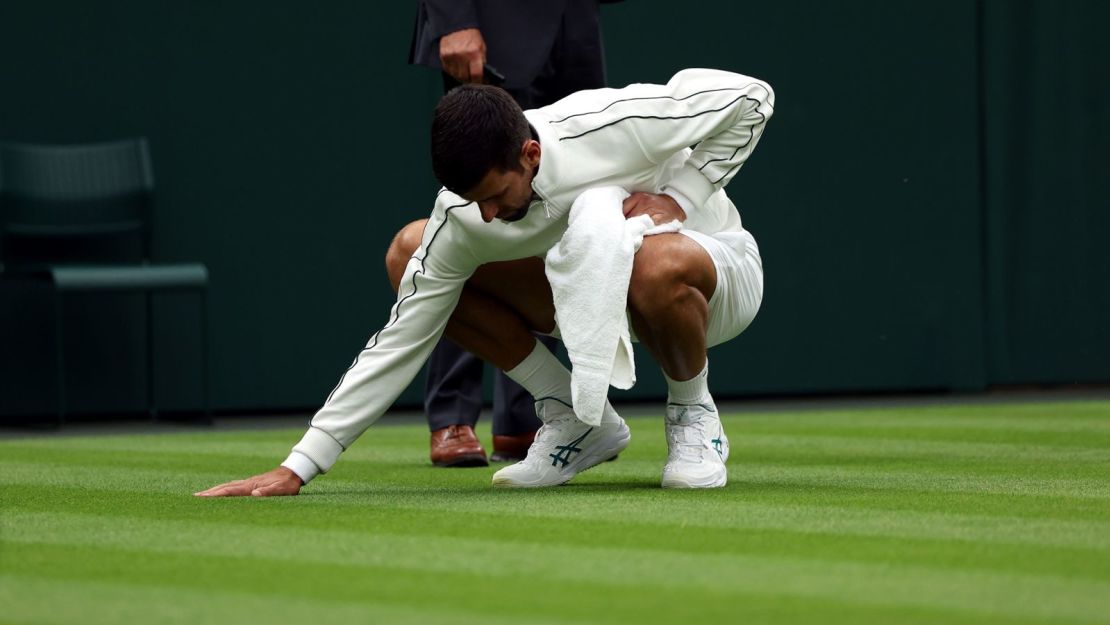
(547, 178)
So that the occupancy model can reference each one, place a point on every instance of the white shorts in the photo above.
(739, 290)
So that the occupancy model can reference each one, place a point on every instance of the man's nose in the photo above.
(488, 210)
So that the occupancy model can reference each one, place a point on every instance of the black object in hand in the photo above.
(492, 76)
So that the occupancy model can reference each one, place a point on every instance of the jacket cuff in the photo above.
(302, 465)
(683, 201)
(446, 29)
(317, 446)
(692, 185)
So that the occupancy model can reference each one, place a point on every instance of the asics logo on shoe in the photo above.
(564, 451)
(718, 446)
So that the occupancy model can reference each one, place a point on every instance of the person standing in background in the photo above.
(539, 52)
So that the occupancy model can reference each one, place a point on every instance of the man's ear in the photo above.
(530, 154)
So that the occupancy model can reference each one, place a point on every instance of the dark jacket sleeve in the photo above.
(448, 16)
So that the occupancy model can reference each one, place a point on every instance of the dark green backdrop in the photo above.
(931, 197)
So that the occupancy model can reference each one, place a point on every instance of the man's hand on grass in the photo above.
(662, 208)
(280, 481)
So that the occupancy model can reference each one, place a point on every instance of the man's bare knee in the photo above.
(668, 270)
(402, 248)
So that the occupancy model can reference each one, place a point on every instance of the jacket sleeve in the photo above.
(427, 294)
(721, 114)
(448, 16)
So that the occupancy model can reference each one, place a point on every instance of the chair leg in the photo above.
(59, 357)
(151, 407)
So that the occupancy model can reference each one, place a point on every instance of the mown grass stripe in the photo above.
(749, 482)
(372, 591)
(745, 458)
(795, 443)
(710, 512)
(991, 593)
(807, 539)
(24, 599)
(1079, 416)
(1078, 439)
(739, 515)
(908, 448)
(926, 478)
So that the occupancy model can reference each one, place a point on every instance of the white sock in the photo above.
(542, 375)
(692, 391)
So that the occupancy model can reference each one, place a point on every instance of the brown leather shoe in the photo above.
(457, 446)
(511, 448)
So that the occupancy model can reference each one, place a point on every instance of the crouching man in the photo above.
(474, 268)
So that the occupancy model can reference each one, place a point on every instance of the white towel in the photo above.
(589, 270)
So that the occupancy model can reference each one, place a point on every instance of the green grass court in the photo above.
(942, 514)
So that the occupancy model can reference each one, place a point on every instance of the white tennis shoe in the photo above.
(697, 447)
(564, 447)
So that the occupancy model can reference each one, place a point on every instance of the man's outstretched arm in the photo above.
(427, 293)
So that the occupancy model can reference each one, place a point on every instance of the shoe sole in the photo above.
(462, 462)
(715, 482)
(602, 451)
(496, 457)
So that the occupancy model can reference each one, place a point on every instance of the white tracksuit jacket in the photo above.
(635, 138)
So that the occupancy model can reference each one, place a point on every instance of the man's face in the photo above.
(505, 195)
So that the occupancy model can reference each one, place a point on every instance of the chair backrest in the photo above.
(75, 203)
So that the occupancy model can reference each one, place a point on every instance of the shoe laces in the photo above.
(456, 431)
(691, 440)
(546, 437)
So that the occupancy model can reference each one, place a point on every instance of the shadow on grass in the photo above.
(453, 492)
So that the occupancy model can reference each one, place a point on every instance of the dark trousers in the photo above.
(453, 392)
(453, 389)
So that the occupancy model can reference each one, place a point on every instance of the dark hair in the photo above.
(476, 128)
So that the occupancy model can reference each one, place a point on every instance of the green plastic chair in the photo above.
(78, 217)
